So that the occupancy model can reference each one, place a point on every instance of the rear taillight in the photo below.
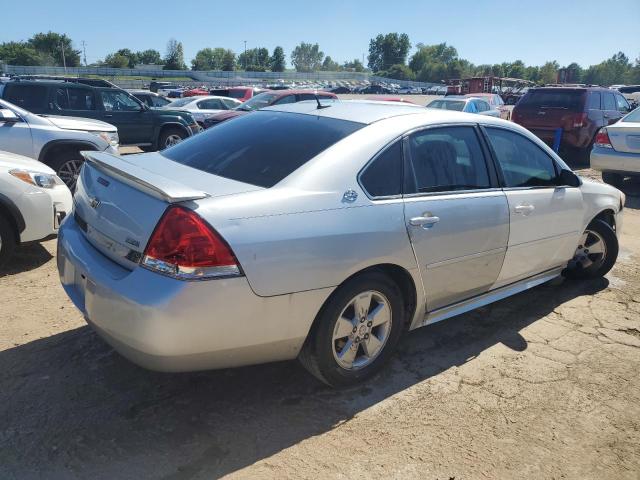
(184, 246)
(602, 139)
(579, 120)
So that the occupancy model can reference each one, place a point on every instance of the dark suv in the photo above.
(579, 111)
(150, 129)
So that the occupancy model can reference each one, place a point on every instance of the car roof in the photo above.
(360, 111)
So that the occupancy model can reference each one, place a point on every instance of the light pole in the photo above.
(245, 55)
(64, 62)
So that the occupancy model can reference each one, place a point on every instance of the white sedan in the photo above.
(616, 149)
(33, 202)
(204, 107)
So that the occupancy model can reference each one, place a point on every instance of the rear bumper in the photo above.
(169, 325)
(608, 160)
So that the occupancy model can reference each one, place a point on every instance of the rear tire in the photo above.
(7, 240)
(612, 178)
(596, 254)
(356, 331)
(171, 136)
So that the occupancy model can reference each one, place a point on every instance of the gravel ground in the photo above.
(542, 385)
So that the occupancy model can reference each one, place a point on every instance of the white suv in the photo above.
(33, 202)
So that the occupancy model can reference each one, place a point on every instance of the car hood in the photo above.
(11, 160)
(78, 123)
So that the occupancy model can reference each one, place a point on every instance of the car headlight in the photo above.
(38, 179)
(110, 137)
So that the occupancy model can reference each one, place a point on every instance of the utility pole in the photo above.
(245, 55)
(64, 61)
(84, 51)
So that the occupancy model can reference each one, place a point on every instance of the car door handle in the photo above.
(108, 115)
(524, 209)
(425, 221)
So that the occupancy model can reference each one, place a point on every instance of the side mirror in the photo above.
(569, 179)
(8, 116)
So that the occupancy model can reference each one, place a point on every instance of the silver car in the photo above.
(323, 232)
(616, 149)
(465, 104)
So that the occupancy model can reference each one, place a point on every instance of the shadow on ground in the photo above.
(71, 407)
(26, 258)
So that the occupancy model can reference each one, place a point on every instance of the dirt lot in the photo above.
(542, 385)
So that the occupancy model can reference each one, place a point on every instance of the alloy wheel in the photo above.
(362, 330)
(69, 172)
(591, 252)
(172, 140)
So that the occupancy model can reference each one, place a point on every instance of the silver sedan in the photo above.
(323, 232)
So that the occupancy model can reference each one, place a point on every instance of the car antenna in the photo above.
(320, 106)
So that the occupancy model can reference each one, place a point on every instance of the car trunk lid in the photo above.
(119, 200)
(625, 136)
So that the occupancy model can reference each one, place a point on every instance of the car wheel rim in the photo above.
(591, 252)
(362, 330)
(172, 140)
(69, 172)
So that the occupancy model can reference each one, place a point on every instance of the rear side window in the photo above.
(523, 163)
(445, 159)
(262, 148)
(565, 99)
(210, 104)
(609, 101)
(593, 101)
(383, 176)
(29, 97)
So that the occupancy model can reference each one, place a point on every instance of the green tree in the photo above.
(255, 60)
(516, 69)
(431, 54)
(116, 60)
(307, 57)
(398, 72)
(149, 57)
(19, 53)
(53, 45)
(278, 62)
(355, 65)
(572, 73)
(633, 76)
(387, 50)
(532, 73)
(174, 58)
(214, 59)
(549, 72)
(328, 65)
(132, 58)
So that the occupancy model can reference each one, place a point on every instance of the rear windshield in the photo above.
(633, 116)
(237, 93)
(566, 99)
(261, 148)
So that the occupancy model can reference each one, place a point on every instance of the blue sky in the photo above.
(483, 31)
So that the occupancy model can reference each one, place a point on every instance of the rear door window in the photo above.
(623, 105)
(29, 97)
(72, 98)
(210, 104)
(609, 101)
(262, 148)
(445, 159)
(523, 163)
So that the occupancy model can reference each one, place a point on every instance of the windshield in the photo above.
(565, 99)
(181, 102)
(633, 116)
(278, 144)
(259, 101)
(457, 105)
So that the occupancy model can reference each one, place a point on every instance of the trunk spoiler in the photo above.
(142, 179)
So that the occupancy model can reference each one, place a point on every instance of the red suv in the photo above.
(579, 111)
